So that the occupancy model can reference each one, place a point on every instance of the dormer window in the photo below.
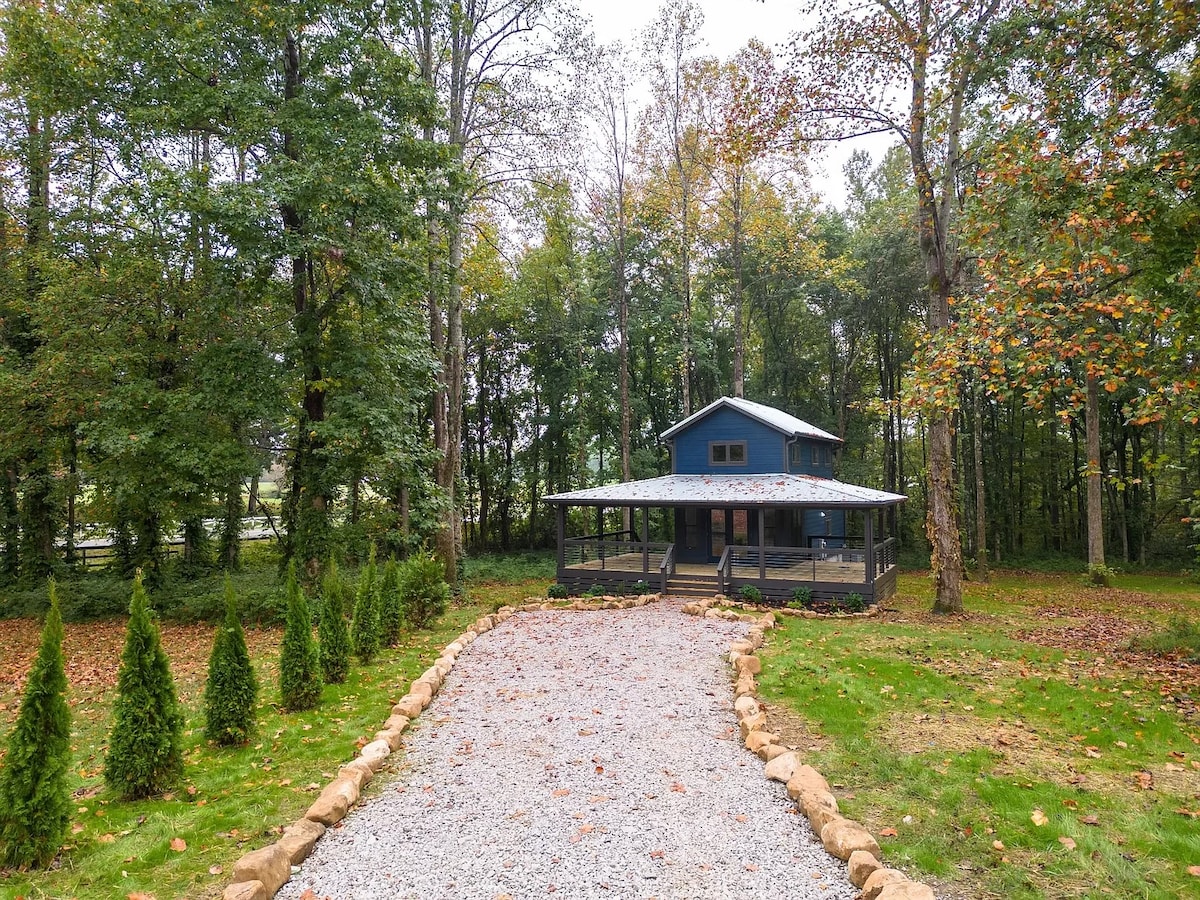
(727, 453)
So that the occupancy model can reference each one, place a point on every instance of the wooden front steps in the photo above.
(681, 585)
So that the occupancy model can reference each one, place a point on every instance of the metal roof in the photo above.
(730, 490)
(768, 415)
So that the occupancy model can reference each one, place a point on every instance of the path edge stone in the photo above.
(842, 838)
(341, 794)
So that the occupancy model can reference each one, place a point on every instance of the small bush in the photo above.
(855, 602)
(35, 799)
(333, 632)
(423, 589)
(231, 689)
(596, 590)
(1099, 576)
(299, 661)
(391, 616)
(801, 598)
(640, 587)
(1180, 636)
(557, 591)
(145, 754)
(750, 593)
(365, 628)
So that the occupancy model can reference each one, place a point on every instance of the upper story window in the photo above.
(817, 455)
(727, 453)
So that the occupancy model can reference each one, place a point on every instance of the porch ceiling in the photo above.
(731, 490)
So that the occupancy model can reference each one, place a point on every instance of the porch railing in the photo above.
(885, 555)
(666, 568)
(800, 563)
(615, 556)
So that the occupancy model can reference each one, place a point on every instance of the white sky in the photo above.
(728, 25)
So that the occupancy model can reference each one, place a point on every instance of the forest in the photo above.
(439, 259)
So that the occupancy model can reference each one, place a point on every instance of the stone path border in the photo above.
(844, 838)
(261, 873)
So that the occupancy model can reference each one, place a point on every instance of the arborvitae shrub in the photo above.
(35, 800)
(231, 689)
(423, 589)
(145, 754)
(335, 636)
(366, 613)
(299, 661)
(391, 618)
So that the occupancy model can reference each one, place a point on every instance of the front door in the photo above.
(717, 537)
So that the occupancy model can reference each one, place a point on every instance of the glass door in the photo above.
(717, 534)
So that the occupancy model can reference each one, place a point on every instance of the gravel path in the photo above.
(579, 754)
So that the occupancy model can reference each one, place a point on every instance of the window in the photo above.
(727, 453)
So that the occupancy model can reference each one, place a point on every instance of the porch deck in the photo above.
(832, 569)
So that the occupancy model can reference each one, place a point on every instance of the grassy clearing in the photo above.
(230, 802)
(964, 733)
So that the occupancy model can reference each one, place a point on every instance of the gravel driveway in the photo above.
(579, 754)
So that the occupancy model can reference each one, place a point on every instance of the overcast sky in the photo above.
(728, 25)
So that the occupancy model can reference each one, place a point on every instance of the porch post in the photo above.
(762, 543)
(645, 540)
(600, 534)
(869, 540)
(560, 516)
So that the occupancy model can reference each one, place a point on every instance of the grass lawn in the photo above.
(1021, 750)
(230, 802)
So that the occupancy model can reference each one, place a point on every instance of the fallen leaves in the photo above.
(888, 832)
(1038, 818)
(1066, 842)
(178, 844)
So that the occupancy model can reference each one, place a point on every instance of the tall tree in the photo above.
(911, 70)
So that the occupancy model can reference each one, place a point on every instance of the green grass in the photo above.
(231, 801)
(967, 726)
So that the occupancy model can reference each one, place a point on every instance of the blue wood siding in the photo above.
(805, 466)
(765, 451)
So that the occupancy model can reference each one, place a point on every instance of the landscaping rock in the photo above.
(374, 753)
(819, 807)
(271, 865)
(842, 837)
(333, 804)
(861, 866)
(745, 686)
(410, 707)
(756, 740)
(771, 751)
(746, 706)
(246, 890)
(880, 879)
(768, 620)
(806, 778)
(741, 646)
(783, 767)
(422, 691)
(910, 890)
(756, 722)
(748, 663)
(359, 771)
(299, 838)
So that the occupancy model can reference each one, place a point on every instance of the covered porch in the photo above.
(799, 531)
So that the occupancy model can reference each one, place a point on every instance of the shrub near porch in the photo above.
(1022, 750)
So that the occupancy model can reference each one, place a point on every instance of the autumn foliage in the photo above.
(144, 747)
(35, 801)
(231, 689)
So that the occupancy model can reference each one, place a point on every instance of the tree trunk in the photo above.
(980, 492)
(739, 337)
(1095, 515)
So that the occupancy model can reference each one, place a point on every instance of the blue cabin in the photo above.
(751, 499)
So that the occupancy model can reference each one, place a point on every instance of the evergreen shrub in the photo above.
(333, 631)
(423, 590)
(750, 593)
(366, 613)
(391, 616)
(35, 799)
(557, 592)
(299, 662)
(145, 754)
(231, 689)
